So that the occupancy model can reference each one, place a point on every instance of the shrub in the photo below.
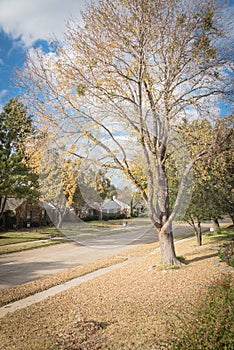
(118, 216)
(226, 254)
(210, 325)
(90, 218)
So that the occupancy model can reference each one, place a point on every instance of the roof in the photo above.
(13, 203)
(46, 205)
(114, 204)
(122, 204)
(138, 205)
(111, 204)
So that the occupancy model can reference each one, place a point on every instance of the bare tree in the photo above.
(119, 84)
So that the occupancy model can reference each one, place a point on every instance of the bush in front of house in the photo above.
(120, 216)
(90, 218)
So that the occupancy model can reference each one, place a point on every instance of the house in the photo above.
(114, 206)
(138, 207)
(32, 214)
(28, 213)
(110, 207)
(25, 213)
(91, 211)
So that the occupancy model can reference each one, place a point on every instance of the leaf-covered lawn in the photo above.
(129, 308)
(22, 291)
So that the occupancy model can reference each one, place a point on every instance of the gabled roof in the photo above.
(122, 204)
(111, 204)
(46, 205)
(138, 204)
(13, 203)
(114, 204)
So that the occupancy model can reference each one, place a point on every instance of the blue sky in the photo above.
(27, 23)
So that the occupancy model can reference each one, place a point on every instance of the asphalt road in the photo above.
(20, 267)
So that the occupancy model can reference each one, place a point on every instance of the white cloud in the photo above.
(37, 19)
(3, 93)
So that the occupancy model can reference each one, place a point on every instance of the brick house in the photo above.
(25, 213)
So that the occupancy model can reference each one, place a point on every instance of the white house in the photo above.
(114, 206)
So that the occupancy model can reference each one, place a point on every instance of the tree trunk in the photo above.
(59, 219)
(167, 248)
(197, 229)
(131, 206)
(3, 201)
(199, 233)
(215, 224)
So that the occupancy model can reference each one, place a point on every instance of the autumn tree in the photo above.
(212, 176)
(16, 178)
(65, 182)
(90, 187)
(119, 84)
(225, 183)
(104, 187)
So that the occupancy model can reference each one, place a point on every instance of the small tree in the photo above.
(104, 186)
(16, 178)
(124, 80)
(213, 180)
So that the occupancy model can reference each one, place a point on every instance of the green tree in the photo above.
(16, 178)
(124, 80)
(213, 176)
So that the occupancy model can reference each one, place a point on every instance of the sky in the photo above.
(31, 23)
(25, 24)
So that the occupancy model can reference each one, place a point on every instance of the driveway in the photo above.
(25, 266)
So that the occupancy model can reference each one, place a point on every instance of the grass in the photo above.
(223, 236)
(210, 323)
(108, 224)
(21, 236)
(119, 223)
(22, 291)
(15, 241)
(33, 245)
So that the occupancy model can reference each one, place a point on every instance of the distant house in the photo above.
(21, 213)
(108, 208)
(114, 206)
(31, 213)
(138, 207)
(26, 213)
(91, 210)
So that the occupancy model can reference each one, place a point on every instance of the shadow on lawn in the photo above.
(229, 237)
(200, 258)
